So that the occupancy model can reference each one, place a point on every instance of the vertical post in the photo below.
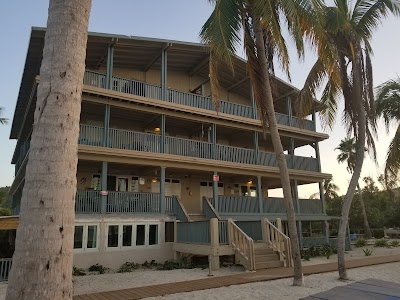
(253, 102)
(215, 192)
(320, 184)
(214, 238)
(106, 138)
(164, 80)
(214, 140)
(162, 190)
(176, 223)
(348, 236)
(314, 120)
(109, 71)
(259, 195)
(291, 153)
(297, 208)
(104, 172)
(162, 139)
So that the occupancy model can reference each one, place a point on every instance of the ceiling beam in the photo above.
(237, 83)
(199, 66)
(104, 56)
(152, 62)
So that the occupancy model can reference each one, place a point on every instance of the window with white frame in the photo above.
(86, 237)
(131, 235)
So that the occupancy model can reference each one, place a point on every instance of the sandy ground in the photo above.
(278, 289)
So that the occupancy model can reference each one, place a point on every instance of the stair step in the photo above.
(269, 264)
(263, 251)
(267, 258)
(197, 217)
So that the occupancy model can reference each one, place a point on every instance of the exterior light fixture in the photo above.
(250, 182)
(157, 129)
(154, 180)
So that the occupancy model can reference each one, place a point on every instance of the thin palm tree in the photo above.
(341, 35)
(347, 148)
(259, 22)
(3, 121)
(388, 107)
(330, 190)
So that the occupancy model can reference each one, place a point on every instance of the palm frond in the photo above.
(3, 121)
(392, 165)
(388, 101)
(329, 100)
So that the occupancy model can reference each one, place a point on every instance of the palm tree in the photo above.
(259, 22)
(388, 107)
(42, 261)
(330, 190)
(347, 148)
(341, 35)
(3, 121)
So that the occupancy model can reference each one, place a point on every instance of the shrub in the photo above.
(361, 242)
(128, 267)
(394, 243)
(78, 271)
(327, 250)
(378, 233)
(98, 268)
(381, 243)
(150, 265)
(367, 252)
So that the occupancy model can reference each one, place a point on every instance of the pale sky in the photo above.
(178, 20)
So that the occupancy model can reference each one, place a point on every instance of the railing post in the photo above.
(257, 149)
(230, 233)
(162, 190)
(103, 196)
(176, 222)
(289, 110)
(264, 231)
(214, 238)
(162, 139)
(259, 195)
(164, 80)
(253, 102)
(106, 137)
(214, 140)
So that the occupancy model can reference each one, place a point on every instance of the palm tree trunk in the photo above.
(282, 164)
(367, 230)
(42, 262)
(360, 140)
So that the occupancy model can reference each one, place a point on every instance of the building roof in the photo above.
(132, 52)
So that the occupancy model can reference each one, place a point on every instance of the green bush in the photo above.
(327, 251)
(361, 242)
(378, 233)
(128, 267)
(367, 252)
(150, 265)
(78, 271)
(98, 268)
(381, 243)
(394, 243)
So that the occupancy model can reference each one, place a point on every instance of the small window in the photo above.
(92, 237)
(140, 235)
(78, 237)
(112, 236)
(169, 232)
(203, 183)
(220, 184)
(127, 235)
(153, 234)
(175, 180)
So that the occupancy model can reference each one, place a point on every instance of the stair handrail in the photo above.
(242, 243)
(209, 209)
(180, 209)
(276, 239)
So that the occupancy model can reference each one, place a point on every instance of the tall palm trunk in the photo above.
(42, 262)
(360, 148)
(277, 144)
(367, 230)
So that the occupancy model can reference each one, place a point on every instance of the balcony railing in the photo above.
(23, 152)
(139, 141)
(143, 89)
(231, 205)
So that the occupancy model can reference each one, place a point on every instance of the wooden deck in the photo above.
(360, 290)
(216, 282)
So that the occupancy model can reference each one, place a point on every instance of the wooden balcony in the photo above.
(139, 141)
(152, 91)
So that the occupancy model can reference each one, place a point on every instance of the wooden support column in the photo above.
(214, 140)
(253, 102)
(214, 237)
(314, 120)
(164, 81)
(215, 193)
(109, 71)
(259, 195)
(162, 129)
(106, 134)
(298, 211)
(256, 148)
(162, 190)
(104, 172)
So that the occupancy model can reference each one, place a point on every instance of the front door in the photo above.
(122, 184)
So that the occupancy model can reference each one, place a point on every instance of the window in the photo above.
(112, 241)
(140, 235)
(153, 234)
(86, 237)
(127, 235)
(133, 235)
(78, 237)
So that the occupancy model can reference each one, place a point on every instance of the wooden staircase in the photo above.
(265, 257)
(197, 217)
